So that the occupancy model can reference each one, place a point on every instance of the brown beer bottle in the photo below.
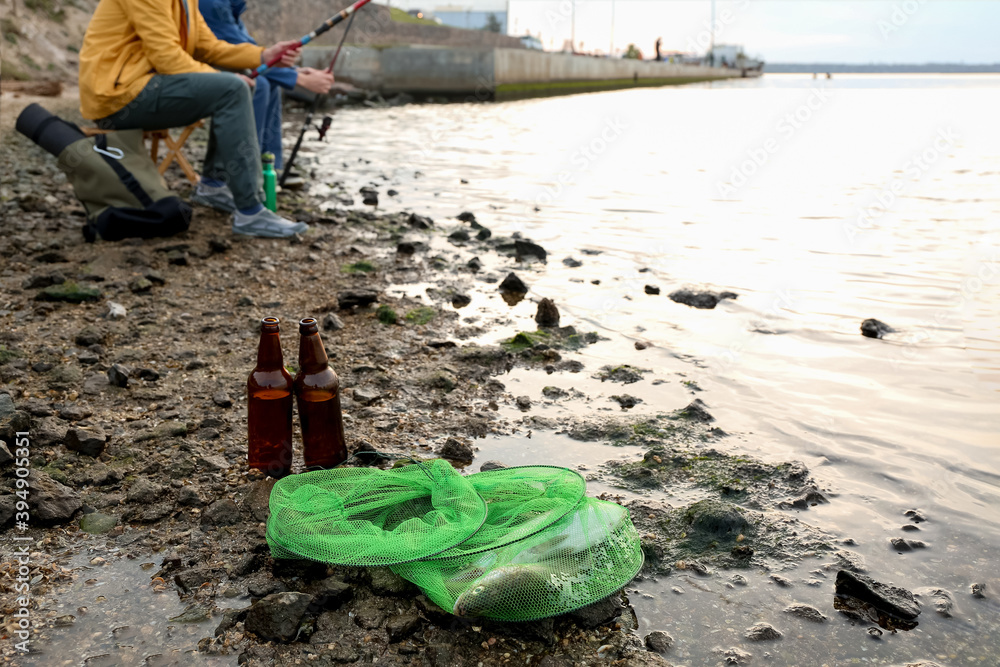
(269, 406)
(317, 394)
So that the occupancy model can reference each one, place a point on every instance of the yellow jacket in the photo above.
(128, 41)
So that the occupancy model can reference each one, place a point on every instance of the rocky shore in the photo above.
(126, 363)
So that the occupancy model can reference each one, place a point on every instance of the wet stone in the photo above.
(626, 401)
(42, 280)
(492, 465)
(50, 502)
(872, 328)
(513, 284)
(547, 314)
(63, 376)
(475, 265)
(331, 592)
(598, 613)
(696, 411)
(459, 236)
(652, 289)
(420, 221)
(735, 656)
(331, 322)
(456, 450)
(902, 545)
(143, 491)
(88, 357)
(460, 300)
(140, 285)
(69, 292)
(118, 375)
(177, 258)
(148, 374)
(222, 399)
(528, 250)
(523, 403)
(977, 590)
(762, 632)
(916, 516)
(942, 599)
(88, 336)
(659, 641)
(222, 512)
(806, 612)
(401, 627)
(356, 297)
(890, 599)
(95, 384)
(705, 300)
(189, 496)
(89, 440)
(572, 262)
(277, 616)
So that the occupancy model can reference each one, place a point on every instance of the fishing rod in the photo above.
(326, 25)
(317, 101)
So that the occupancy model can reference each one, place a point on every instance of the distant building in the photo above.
(532, 42)
(458, 16)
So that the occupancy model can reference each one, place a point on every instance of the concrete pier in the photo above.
(498, 73)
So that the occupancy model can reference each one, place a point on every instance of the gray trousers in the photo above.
(176, 100)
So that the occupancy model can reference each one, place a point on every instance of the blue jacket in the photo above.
(223, 17)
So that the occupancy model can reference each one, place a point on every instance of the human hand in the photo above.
(250, 82)
(288, 58)
(315, 80)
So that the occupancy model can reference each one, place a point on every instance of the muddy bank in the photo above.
(127, 363)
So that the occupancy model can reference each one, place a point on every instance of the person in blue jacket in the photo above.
(223, 17)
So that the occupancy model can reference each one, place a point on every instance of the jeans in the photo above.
(267, 114)
(175, 100)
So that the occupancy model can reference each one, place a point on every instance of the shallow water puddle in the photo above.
(112, 616)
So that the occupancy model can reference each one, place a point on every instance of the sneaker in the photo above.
(266, 224)
(218, 197)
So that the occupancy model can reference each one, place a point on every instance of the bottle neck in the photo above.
(269, 352)
(312, 354)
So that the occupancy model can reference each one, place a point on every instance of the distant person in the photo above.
(223, 17)
(659, 42)
(150, 64)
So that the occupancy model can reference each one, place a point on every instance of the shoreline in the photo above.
(169, 471)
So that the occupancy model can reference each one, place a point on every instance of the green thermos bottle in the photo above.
(270, 182)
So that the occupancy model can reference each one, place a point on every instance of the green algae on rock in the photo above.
(421, 315)
(386, 315)
(69, 292)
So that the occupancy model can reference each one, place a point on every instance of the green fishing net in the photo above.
(372, 517)
(537, 546)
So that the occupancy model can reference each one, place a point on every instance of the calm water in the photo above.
(766, 188)
(821, 203)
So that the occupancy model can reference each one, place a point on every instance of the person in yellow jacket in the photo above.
(154, 64)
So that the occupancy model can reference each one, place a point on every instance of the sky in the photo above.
(843, 31)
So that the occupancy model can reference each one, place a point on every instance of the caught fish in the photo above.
(505, 589)
(550, 574)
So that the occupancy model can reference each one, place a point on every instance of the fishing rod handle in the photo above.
(329, 23)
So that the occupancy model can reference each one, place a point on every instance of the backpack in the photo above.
(113, 177)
